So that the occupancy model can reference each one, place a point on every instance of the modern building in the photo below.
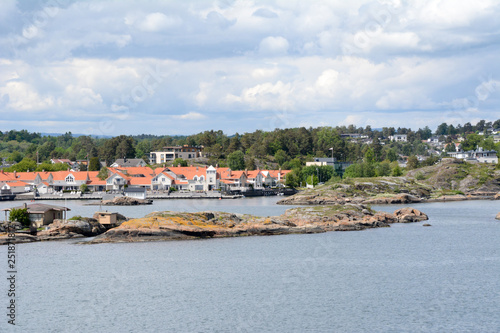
(172, 152)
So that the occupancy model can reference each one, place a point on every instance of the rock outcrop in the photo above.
(72, 228)
(408, 214)
(176, 226)
(498, 216)
(126, 201)
(59, 229)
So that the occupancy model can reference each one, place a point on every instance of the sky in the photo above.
(169, 67)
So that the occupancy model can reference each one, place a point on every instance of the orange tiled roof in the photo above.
(189, 172)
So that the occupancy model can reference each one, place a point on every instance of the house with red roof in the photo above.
(255, 178)
(232, 180)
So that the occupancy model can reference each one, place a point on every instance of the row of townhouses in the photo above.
(192, 178)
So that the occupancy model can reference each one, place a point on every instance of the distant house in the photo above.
(433, 139)
(61, 160)
(135, 192)
(398, 138)
(42, 214)
(479, 155)
(172, 152)
(128, 162)
(496, 138)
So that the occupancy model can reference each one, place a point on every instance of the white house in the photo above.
(398, 137)
(116, 182)
(480, 155)
(135, 192)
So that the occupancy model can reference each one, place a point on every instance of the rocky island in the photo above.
(449, 180)
(160, 226)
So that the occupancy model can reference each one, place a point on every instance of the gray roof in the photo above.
(129, 162)
(39, 208)
(134, 189)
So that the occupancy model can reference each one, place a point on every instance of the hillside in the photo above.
(451, 179)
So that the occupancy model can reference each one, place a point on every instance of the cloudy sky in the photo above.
(181, 67)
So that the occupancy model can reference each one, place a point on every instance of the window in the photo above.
(70, 179)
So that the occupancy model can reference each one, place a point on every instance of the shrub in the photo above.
(419, 176)
(20, 215)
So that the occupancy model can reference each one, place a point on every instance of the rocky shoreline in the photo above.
(58, 230)
(450, 180)
(163, 226)
(318, 199)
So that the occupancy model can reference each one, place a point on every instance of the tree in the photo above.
(392, 155)
(94, 164)
(383, 169)
(250, 163)
(180, 161)
(280, 157)
(15, 157)
(20, 215)
(324, 172)
(396, 172)
(370, 156)
(236, 160)
(412, 163)
(292, 179)
(450, 147)
(84, 188)
(471, 141)
(23, 166)
(442, 129)
(103, 174)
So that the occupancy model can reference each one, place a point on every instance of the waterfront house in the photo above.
(162, 181)
(194, 176)
(117, 181)
(69, 180)
(42, 214)
(232, 180)
(135, 192)
(255, 178)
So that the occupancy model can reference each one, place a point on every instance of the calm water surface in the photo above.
(406, 278)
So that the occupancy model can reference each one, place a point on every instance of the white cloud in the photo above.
(244, 56)
(190, 116)
(155, 22)
(273, 46)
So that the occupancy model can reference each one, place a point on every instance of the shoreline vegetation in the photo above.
(449, 180)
